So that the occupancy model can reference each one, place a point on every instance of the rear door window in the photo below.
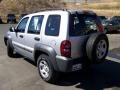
(82, 24)
(35, 24)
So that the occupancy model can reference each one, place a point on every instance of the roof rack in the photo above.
(52, 9)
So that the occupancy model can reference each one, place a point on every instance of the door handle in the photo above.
(37, 38)
(21, 36)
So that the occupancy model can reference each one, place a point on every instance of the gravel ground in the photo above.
(21, 74)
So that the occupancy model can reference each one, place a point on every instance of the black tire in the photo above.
(92, 48)
(10, 50)
(52, 74)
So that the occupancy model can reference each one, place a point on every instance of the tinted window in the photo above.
(53, 25)
(114, 22)
(116, 19)
(35, 25)
(11, 15)
(82, 24)
(22, 25)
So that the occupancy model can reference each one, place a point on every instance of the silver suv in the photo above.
(58, 41)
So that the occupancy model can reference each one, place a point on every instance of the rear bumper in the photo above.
(68, 64)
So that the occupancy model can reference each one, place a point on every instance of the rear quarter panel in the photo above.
(55, 41)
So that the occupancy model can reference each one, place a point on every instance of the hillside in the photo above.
(26, 6)
(103, 7)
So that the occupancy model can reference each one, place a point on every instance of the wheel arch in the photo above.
(47, 50)
(5, 40)
(9, 40)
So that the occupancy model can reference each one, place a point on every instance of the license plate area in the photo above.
(76, 67)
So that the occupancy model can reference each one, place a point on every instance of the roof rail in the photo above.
(44, 9)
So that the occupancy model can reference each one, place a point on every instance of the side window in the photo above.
(35, 24)
(53, 25)
(22, 25)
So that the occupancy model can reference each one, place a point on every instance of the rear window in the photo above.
(116, 18)
(82, 24)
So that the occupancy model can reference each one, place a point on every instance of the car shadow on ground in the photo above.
(114, 32)
(98, 77)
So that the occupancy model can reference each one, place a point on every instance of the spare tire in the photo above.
(97, 47)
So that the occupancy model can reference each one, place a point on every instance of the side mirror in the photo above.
(12, 29)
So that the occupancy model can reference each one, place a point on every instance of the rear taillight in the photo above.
(100, 27)
(65, 48)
